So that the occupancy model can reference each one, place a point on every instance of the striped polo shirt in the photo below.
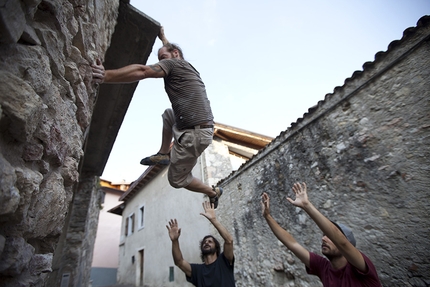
(186, 92)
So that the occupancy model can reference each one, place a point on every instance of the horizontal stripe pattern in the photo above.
(186, 92)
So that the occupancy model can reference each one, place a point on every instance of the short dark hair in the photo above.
(171, 47)
(217, 246)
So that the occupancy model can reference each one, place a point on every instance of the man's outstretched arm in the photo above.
(284, 236)
(127, 74)
(348, 250)
(174, 233)
(228, 239)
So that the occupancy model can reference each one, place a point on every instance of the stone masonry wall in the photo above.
(73, 255)
(46, 102)
(364, 153)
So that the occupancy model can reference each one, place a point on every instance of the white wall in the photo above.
(162, 202)
(106, 246)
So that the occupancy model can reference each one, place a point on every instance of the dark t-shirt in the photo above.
(347, 276)
(218, 274)
(186, 92)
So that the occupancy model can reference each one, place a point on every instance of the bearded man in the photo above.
(218, 267)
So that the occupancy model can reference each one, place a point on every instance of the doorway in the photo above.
(141, 265)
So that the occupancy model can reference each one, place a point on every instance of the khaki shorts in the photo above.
(188, 145)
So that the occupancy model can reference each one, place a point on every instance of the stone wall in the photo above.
(364, 153)
(46, 103)
(74, 252)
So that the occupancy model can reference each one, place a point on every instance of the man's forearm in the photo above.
(228, 239)
(288, 240)
(324, 224)
(284, 236)
(127, 74)
(179, 260)
(162, 37)
(176, 252)
(222, 231)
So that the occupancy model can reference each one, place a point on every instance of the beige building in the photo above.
(145, 257)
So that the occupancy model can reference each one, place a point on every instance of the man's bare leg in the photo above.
(166, 140)
(197, 185)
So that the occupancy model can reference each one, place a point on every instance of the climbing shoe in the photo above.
(215, 199)
(163, 159)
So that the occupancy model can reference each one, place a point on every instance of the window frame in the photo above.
(129, 225)
(141, 217)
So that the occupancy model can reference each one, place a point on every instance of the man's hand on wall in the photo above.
(98, 72)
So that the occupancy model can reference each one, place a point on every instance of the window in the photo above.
(171, 274)
(141, 217)
(129, 225)
(65, 280)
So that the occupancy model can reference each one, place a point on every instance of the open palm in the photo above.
(174, 230)
(301, 194)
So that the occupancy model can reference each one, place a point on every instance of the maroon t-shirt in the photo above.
(348, 276)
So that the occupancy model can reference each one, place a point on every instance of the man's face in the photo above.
(208, 246)
(164, 54)
(328, 248)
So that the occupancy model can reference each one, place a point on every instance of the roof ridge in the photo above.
(379, 56)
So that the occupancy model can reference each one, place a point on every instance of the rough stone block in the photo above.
(41, 263)
(21, 104)
(12, 21)
(9, 194)
(15, 257)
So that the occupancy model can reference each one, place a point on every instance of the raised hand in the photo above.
(265, 204)
(98, 72)
(301, 195)
(174, 230)
(209, 210)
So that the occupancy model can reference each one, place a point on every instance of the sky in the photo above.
(264, 63)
